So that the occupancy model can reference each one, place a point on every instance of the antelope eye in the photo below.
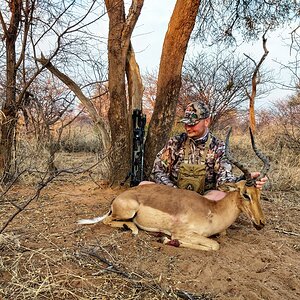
(246, 196)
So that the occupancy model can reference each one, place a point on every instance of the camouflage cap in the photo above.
(195, 112)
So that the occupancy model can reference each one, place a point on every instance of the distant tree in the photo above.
(287, 120)
(150, 86)
(49, 112)
(265, 118)
(221, 80)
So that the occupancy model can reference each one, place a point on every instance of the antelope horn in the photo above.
(261, 156)
(249, 180)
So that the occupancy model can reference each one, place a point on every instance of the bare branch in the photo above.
(97, 119)
(133, 15)
(255, 80)
(3, 26)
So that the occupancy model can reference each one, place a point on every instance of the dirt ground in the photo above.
(45, 254)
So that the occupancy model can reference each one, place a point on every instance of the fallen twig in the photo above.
(286, 232)
(189, 296)
(110, 266)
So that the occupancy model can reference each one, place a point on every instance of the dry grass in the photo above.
(88, 272)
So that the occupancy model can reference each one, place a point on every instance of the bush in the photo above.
(80, 138)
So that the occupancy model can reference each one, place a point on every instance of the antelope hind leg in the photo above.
(121, 224)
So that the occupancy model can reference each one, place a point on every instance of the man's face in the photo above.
(198, 130)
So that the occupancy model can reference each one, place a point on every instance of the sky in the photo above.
(149, 32)
(152, 25)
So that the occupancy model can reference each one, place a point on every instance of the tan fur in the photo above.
(184, 215)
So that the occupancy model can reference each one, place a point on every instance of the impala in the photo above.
(186, 217)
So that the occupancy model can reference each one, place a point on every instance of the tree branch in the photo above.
(255, 80)
(97, 119)
(3, 26)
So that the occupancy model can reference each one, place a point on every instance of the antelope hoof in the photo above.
(175, 243)
(215, 247)
(259, 226)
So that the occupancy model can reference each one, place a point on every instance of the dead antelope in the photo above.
(187, 217)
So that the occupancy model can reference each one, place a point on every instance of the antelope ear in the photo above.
(228, 187)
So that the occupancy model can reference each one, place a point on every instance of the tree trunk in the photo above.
(169, 78)
(120, 30)
(118, 111)
(134, 81)
(254, 81)
(10, 107)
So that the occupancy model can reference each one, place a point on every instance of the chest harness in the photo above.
(192, 176)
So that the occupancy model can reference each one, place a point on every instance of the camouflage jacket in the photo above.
(168, 160)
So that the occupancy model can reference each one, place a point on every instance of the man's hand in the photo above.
(260, 183)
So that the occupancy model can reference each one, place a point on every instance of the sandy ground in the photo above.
(45, 254)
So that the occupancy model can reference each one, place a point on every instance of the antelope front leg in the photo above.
(193, 241)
